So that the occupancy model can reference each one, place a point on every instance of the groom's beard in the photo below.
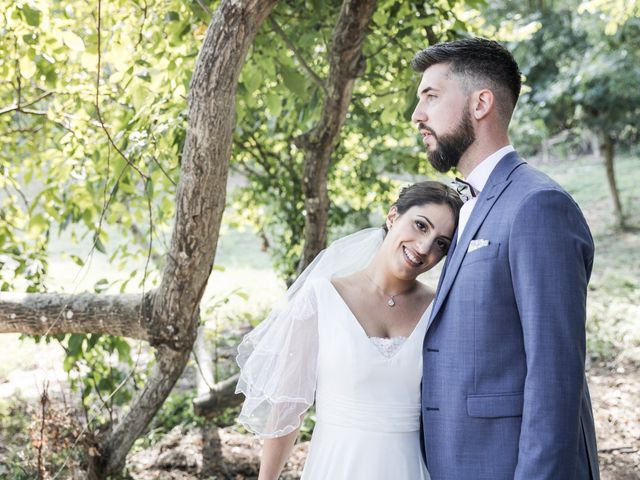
(450, 147)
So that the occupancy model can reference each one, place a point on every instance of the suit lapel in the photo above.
(497, 182)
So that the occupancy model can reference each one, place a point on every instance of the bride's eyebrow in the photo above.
(427, 220)
(431, 224)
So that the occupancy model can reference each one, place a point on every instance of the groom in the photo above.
(504, 393)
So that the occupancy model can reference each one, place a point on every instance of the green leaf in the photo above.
(101, 285)
(98, 244)
(27, 67)
(243, 295)
(73, 41)
(31, 15)
(123, 350)
(294, 81)
(252, 80)
(93, 340)
(171, 16)
(74, 346)
(77, 260)
(274, 104)
(68, 363)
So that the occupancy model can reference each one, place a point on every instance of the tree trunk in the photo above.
(200, 202)
(346, 63)
(607, 148)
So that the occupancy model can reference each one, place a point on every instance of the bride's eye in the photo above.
(421, 225)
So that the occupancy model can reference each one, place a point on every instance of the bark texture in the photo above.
(220, 397)
(199, 206)
(52, 313)
(346, 63)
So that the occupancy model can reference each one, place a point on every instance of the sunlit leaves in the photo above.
(279, 99)
(52, 144)
(73, 41)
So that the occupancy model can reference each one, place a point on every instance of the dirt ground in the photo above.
(615, 391)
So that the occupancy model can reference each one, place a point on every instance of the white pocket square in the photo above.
(476, 244)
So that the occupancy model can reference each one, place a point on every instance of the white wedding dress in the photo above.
(366, 390)
(367, 404)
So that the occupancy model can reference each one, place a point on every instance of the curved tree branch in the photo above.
(346, 63)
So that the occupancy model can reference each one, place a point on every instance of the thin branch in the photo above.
(19, 191)
(205, 8)
(358, 97)
(155, 160)
(202, 375)
(247, 168)
(150, 248)
(144, 19)
(260, 158)
(18, 108)
(21, 130)
(314, 76)
(44, 400)
(97, 101)
(18, 74)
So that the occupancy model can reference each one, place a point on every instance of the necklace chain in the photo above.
(391, 302)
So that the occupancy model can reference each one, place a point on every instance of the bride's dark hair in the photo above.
(428, 192)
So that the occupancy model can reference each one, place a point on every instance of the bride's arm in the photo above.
(275, 452)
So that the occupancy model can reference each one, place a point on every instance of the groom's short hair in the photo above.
(478, 63)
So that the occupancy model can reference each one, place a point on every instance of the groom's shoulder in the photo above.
(530, 186)
(529, 179)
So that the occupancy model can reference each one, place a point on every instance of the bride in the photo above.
(348, 336)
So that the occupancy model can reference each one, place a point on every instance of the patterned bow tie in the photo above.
(464, 189)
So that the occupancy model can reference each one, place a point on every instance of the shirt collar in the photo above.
(479, 176)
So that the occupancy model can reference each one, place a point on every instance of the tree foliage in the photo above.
(580, 62)
(280, 98)
(167, 316)
(95, 137)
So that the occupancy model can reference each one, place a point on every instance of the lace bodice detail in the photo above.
(388, 346)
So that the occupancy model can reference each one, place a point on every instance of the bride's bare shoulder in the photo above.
(346, 284)
(427, 292)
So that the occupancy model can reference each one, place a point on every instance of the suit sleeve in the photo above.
(550, 255)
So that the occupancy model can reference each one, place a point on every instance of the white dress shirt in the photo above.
(478, 179)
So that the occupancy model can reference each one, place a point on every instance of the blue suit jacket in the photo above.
(504, 393)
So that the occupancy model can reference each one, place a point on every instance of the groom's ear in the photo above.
(391, 217)
(482, 103)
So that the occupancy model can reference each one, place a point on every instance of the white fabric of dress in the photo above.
(367, 404)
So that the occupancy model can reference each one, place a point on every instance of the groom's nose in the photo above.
(418, 114)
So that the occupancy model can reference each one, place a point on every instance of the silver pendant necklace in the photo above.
(391, 302)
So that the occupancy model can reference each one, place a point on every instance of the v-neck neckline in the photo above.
(364, 334)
